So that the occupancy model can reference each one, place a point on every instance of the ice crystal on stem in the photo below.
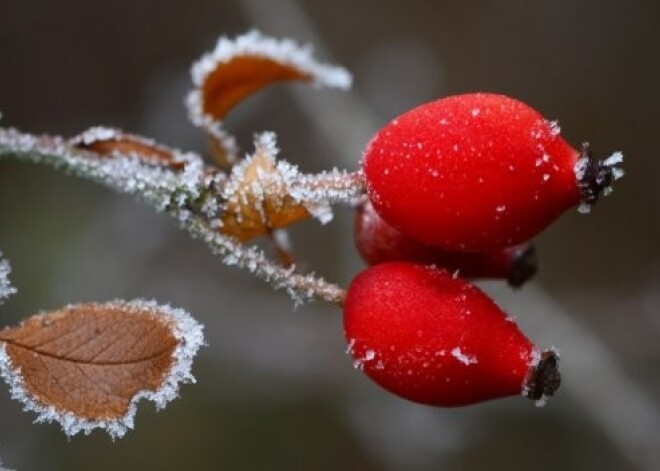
(155, 184)
(300, 287)
(6, 289)
(184, 194)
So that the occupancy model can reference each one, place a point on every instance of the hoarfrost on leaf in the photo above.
(284, 51)
(111, 387)
(239, 67)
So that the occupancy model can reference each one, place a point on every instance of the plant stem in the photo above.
(170, 191)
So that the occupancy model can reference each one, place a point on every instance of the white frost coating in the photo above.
(584, 208)
(316, 192)
(328, 187)
(283, 51)
(282, 239)
(164, 190)
(300, 287)
(555, 129)
(369, 355)
(274, 185)
(463, 357)
(613, 160)
(96, 134)
(2, 467)
(185, 329)
(6, 289)
(254, 44)
(161, 187)
(103, 134)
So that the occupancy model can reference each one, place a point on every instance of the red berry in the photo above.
(378, 242)
(432, 338)
(478, 171)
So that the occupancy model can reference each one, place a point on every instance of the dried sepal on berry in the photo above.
(86, 366)
(239, 67)
(595, 177)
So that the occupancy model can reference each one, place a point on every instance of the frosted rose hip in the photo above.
(478, 171)
(431, 338)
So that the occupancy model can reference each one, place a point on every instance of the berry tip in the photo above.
(544, 379)
(524, 266)
(595, 177)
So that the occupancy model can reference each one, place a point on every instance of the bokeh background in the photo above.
(275, 389)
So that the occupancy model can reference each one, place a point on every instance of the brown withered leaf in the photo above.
(257, 199)
(107, 142)
(232, 81)
(240, 67)
(87, 365)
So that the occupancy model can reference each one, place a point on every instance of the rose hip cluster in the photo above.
(456, 189)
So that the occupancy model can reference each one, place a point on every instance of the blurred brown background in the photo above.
(275, 389)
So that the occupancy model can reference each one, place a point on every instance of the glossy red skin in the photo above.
(378, 242)
(471, 172)
(403, 321)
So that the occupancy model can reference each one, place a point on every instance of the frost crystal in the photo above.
(185, 329)
(6, 289)
(463, 357)
(555, 129)
(95, 134)
(326, 188)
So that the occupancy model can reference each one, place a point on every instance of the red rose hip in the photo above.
(378, 242)
(478, 171)
(435, 339)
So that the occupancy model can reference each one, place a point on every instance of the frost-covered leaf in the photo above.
(239, 67)
(6, 289)
(158, 185)
(257, 198)
(108, 142)
(87, 365)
